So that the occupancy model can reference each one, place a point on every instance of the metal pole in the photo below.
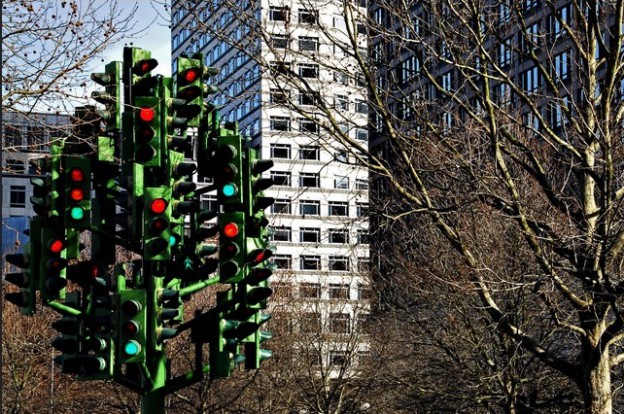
(154, 401)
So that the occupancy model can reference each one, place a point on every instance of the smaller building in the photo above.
(25, 137)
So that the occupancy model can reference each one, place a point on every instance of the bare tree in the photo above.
(498, 125)
(48, 48)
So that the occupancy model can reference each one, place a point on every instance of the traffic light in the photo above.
(254, 353)
(157, 216)
(229, 170)
(231, 246)
(148, 132)
(111, 96)
(46, 200)
(223, 336)
(77, 183)
(169, 311)
(28, 279)
(190, 87)
(131, 326)
(53, 263)
(108, 194)
(137, 79)
(255, 201)
(69, 327)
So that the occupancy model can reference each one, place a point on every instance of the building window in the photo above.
(504, 12)
(310, 262)
(278, 14)
(281, 177)
(447, 81)
(18, 196)
(279, 97)
(363, 237)
(279, 41)
(504, 53)
(341, 102)
(562, 66)
(339, 263)
(282, 261)
(309, 180)
(308, 98)
(337, 358)
(310, 235)
(339, 236)
(530, 80)
(558, 22)
(281, 206)
(339, 323)
(310, 208)
(12, 136)
(311, 323)
(210, 203)
(309, 153)
(361, 134)
(280, 123)
(14, 167)
(338, 291)
(35, 136)
(341, 78)
(530, 39)
(308, 16)
(341, 156)
(338, 208)
(364, 265)
(341, 182)
(361, 106)
(280, 151)
(281, 234)
(361, 184)
(361, 209)
(277, 68)
(309, 71)
(530, 5)
(309, 44)
(310, 290)
(308, 125)
(364, 292)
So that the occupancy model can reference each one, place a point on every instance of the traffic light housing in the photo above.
(191, 89)
(28, 279)
(53, 264)
(148, 139)
(231, 246)
(111, 96)
(131, 326)
(156, 221)
(229, 171)
(137, 67)
(77, 183)
(69, 328)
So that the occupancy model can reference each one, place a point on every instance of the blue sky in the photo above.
(156, 36)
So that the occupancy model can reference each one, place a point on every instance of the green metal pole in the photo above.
(154, 401)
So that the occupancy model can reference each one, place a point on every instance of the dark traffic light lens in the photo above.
(131, 327)
(159, 225)
(131, 307)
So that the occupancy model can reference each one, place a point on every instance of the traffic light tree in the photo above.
(135, 192)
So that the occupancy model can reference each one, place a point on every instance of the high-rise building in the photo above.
(272, 79)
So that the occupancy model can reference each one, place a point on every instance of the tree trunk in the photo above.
(596, 380)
